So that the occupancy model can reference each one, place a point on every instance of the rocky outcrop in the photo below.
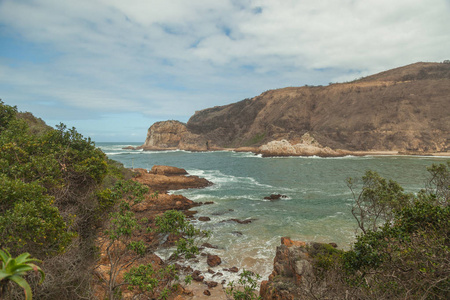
(166, 135)
(307, 146)
(275, 197)
(293, 271)
(164, 178)
(402, 110)
(173, 135)
(167, 170)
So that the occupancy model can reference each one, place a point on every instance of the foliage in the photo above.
(144, 280)
(377, 201)
(29, 221)
(439, 183)
(121, 249)
(7, 113)
(50, 199)
(325, 257)
(36, 126)
(13, 270)
(175, 222)
(409, 257)
(246, 287)
(403, 250)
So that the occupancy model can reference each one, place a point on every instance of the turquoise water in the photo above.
(317, 207)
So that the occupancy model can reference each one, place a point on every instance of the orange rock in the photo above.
(167, 170)
(289, 243)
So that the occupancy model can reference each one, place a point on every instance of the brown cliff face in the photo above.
(167, 134)
(172, 135)
(404, 109)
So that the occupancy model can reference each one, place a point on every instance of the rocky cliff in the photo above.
(294, 276)
(404, 109)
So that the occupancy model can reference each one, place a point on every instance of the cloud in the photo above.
(170, 58)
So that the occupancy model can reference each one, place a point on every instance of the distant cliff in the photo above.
(404, 109)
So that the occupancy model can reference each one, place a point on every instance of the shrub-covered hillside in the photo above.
(50, 204)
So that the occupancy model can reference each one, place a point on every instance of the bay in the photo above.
(317, 207)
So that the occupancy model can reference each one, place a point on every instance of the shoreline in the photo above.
(342, 153)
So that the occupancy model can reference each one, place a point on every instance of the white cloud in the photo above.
(172, 57)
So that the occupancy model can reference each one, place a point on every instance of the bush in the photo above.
(13, 270)
(50, 204)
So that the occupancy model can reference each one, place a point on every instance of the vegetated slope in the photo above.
(404, 109)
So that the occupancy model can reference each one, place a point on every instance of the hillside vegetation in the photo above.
(49, 204)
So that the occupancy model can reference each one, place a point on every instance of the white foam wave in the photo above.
(246, 155)
(112, 153)
(220, 178)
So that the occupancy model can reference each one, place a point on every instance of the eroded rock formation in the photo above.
(293, 271)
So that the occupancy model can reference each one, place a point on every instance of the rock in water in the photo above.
(213, 260)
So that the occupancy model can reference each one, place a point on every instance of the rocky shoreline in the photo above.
(207, 284)
(323, 154)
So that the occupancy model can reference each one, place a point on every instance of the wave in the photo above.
(246, 155)
(219, 178)
(113, 153)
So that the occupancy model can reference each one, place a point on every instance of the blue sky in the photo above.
(111, 68)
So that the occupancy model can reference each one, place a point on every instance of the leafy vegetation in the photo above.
(403, 250)
(49, 200)
(13, 270)
(246, 289)
(174, 222)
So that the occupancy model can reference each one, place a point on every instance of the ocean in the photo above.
(317, 207)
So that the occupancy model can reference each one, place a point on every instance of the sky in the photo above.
(111, 68)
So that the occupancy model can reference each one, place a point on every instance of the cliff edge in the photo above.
(403, 110)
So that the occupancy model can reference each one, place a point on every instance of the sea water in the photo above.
(317, 207)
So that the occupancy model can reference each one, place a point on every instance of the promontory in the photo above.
(404, 110)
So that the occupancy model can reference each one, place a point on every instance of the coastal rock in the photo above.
(208, 245)
(129, 148)
(207, 293)
(196, 275)
(173, 135)
(165, 135)
(211, 284)
(204, 219)
(163, 183)
(274, 197)
(292, 269)
(165, 202)
(247, 221)
(213, 260)
(307, 146)
(167, 170)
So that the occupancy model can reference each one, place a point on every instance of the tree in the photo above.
(377, 200)
(121, 250)
(403, 250)
(175, 222)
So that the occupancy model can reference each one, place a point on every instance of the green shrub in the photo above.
(13, 270)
